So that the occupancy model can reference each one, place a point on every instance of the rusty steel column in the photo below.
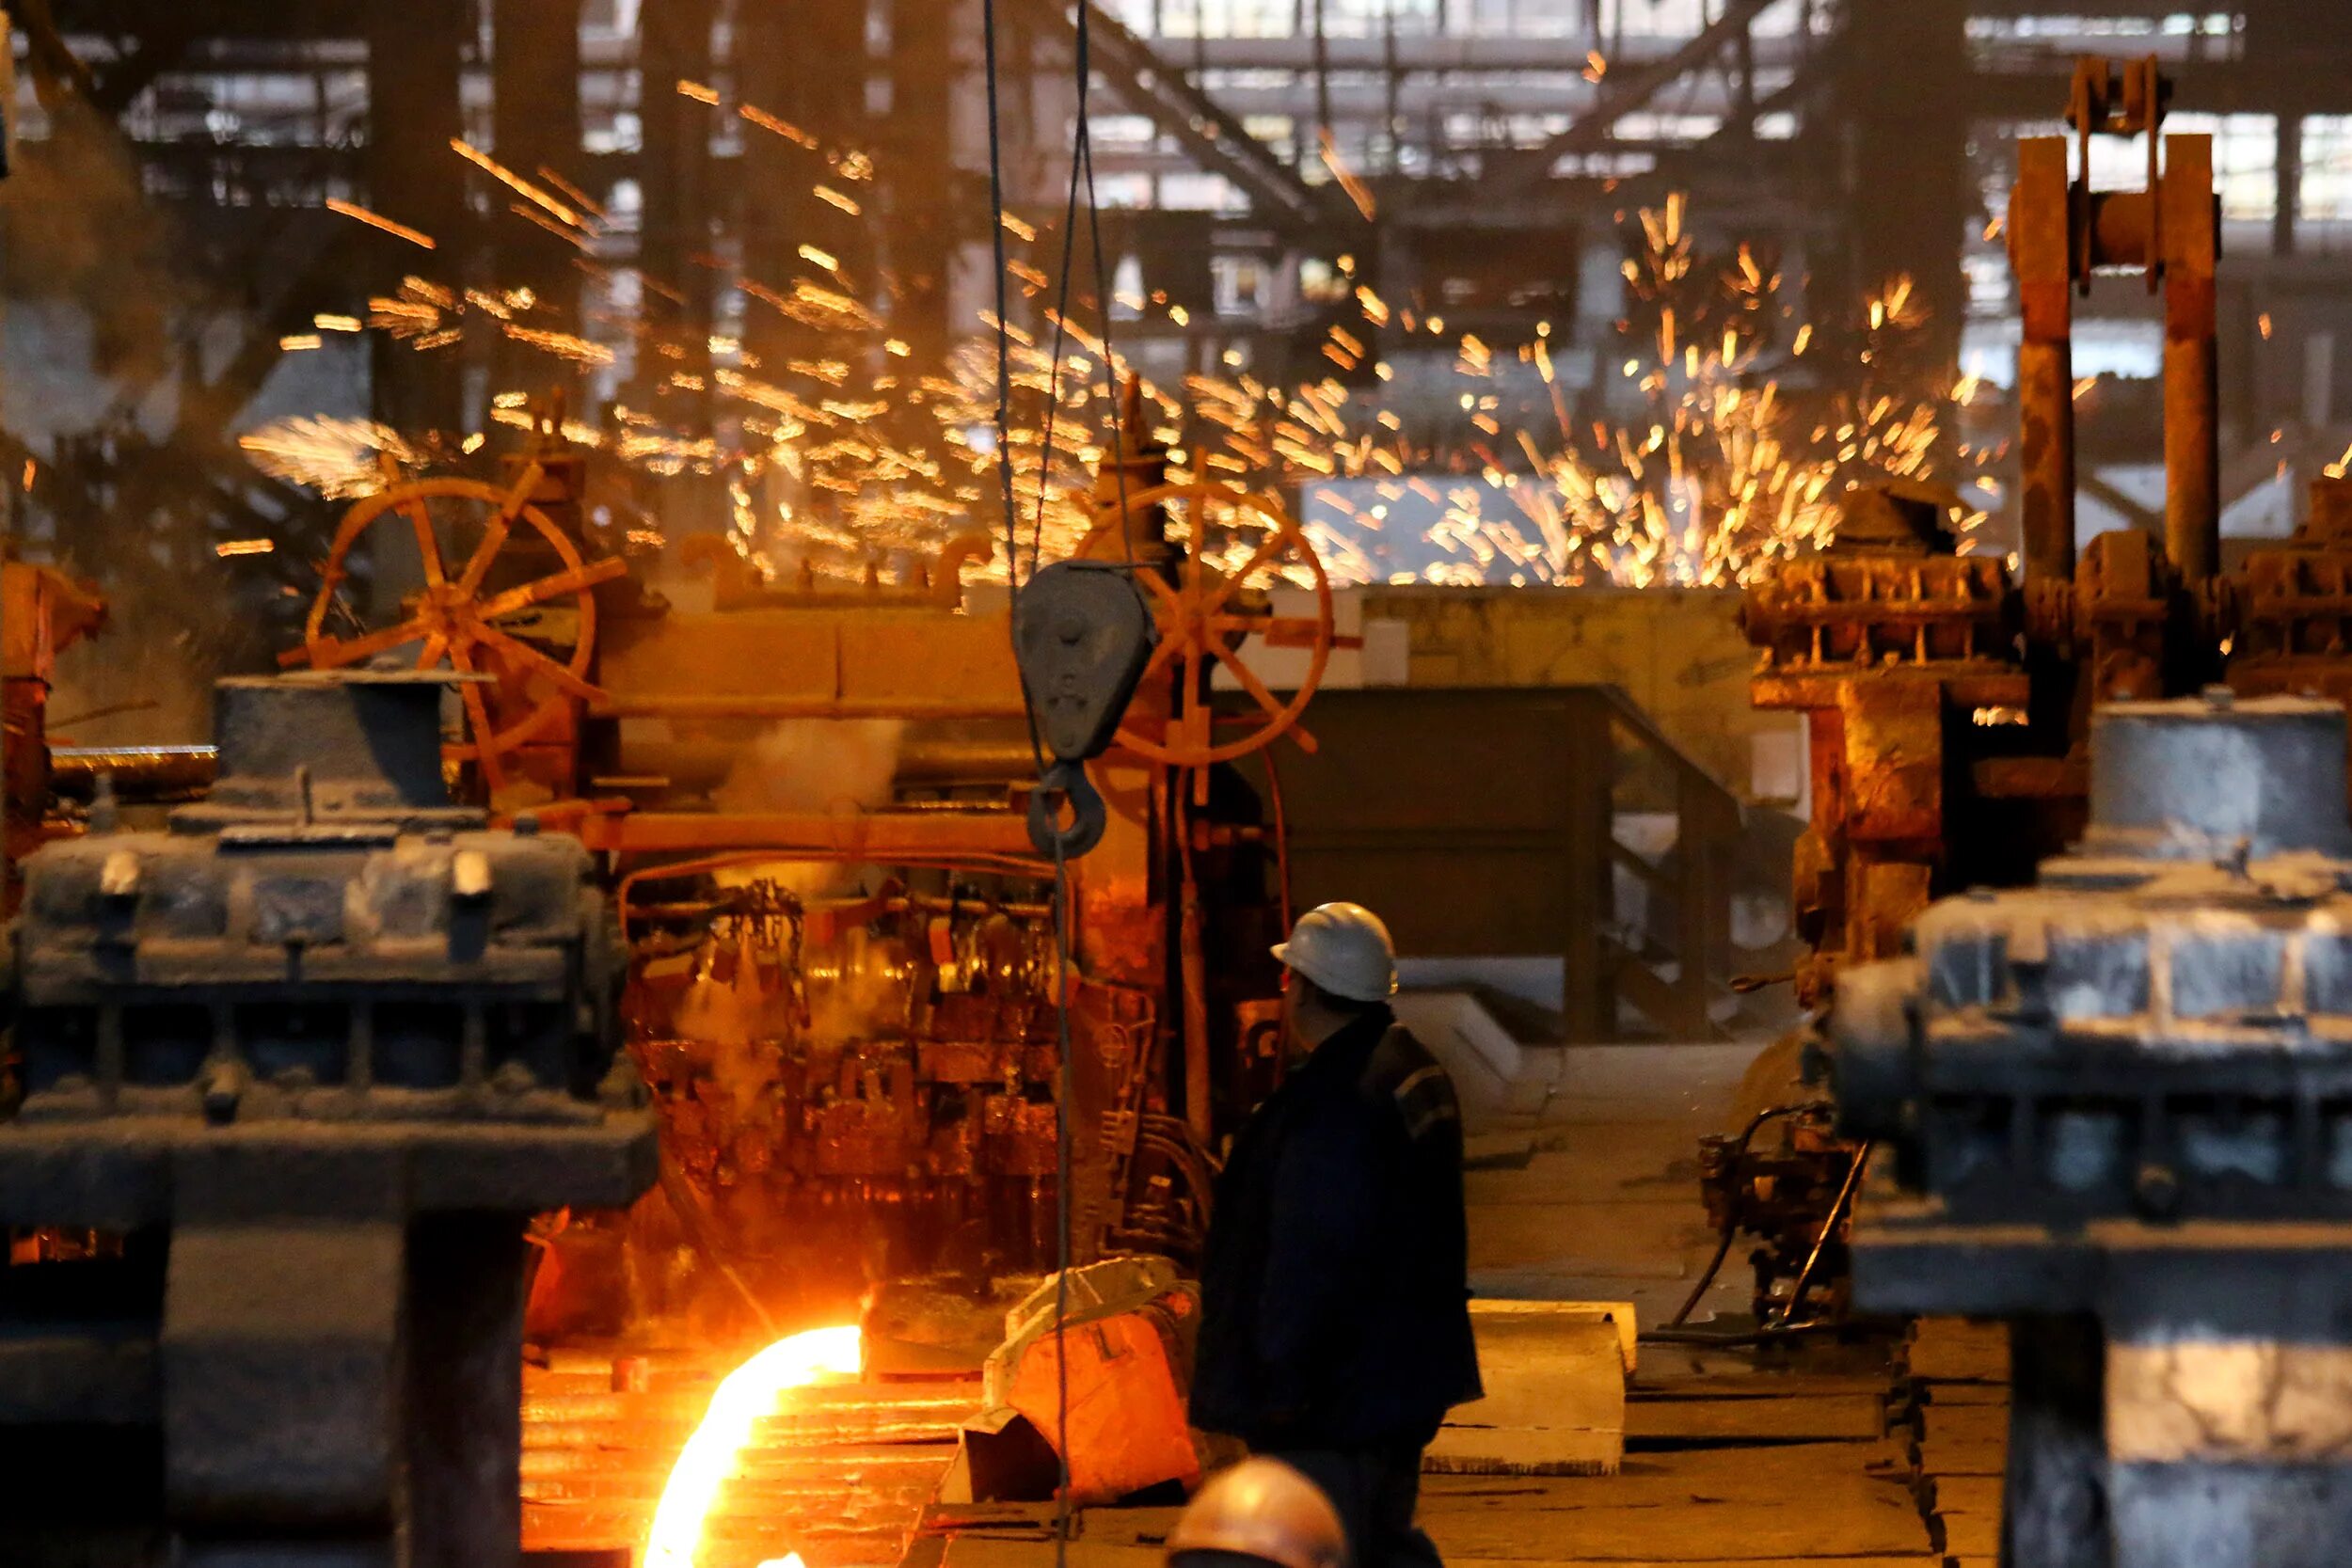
(2040, 251)
(2055, 1509)
(2192, 453)
(536, 129)
(414, 71)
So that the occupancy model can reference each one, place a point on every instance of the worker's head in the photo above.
(1260, 1513)
(1342, 965)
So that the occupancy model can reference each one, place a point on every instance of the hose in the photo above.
(1731, 1228)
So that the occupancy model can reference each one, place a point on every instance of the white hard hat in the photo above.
(1344, 950)
(1262, 1509)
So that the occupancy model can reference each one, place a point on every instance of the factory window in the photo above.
(2181, 37)
(2245, 161)
(1237, 19)
(2327, 192)
(1240, 284)
(1123, 190)
(1371, 18)
(1528, 19)
(1201, 193)
(1786, 19)
(1667, 128)
(1127, 289)
(1121, 133)
(1654, 17)
(1992, 289)
(2179, 24)
(2129, 349)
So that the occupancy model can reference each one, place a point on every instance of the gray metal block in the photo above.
(337, 1038)
(281, 1364)
(2120, 1104)
(2205, 1515)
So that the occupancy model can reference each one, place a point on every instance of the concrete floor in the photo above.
(1804, 1454)
(1734, 1459)
(1605, 1206)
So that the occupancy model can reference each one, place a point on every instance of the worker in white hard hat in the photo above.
(1335, 1328)
(1259, 1513)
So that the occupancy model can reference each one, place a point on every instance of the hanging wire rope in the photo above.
(1065, 1085)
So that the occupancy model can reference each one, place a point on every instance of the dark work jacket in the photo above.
(1335, 1306)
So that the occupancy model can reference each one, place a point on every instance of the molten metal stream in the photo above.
(749, 1392)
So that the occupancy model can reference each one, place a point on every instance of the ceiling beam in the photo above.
(1205, 128)
(1624, 93)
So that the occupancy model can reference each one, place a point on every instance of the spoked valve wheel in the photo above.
(1206, 615)
(535, 641)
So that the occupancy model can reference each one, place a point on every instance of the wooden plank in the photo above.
(1977, 1535)
(1749, 1385)
(1964, 1393)
(1669, 1480)
(1967, 1423)
(1954, 1350)
(1879, 1522)
(1921, 1559)
(1959, 1456)
(1849, 1416)
(974, 1552)
(1957, 1495)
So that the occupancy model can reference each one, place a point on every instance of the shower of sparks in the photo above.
(765, 121)
(561, 211)
(376, 220)
(1358, 192)
(340, 459)
(228, 548)
(564, 346)
(1699, 467)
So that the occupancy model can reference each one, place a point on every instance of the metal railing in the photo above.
(1517, 822)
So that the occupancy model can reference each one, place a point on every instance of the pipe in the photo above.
(1829, 1227)
(886, 836)
(141, 773)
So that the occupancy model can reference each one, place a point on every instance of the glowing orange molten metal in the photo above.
(749, 1392)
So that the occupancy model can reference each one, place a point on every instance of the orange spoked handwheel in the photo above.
(1207, 613)
(455, 622)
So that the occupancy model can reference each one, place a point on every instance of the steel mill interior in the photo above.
(944, 783)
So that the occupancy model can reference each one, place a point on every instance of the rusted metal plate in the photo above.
(813, 663)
